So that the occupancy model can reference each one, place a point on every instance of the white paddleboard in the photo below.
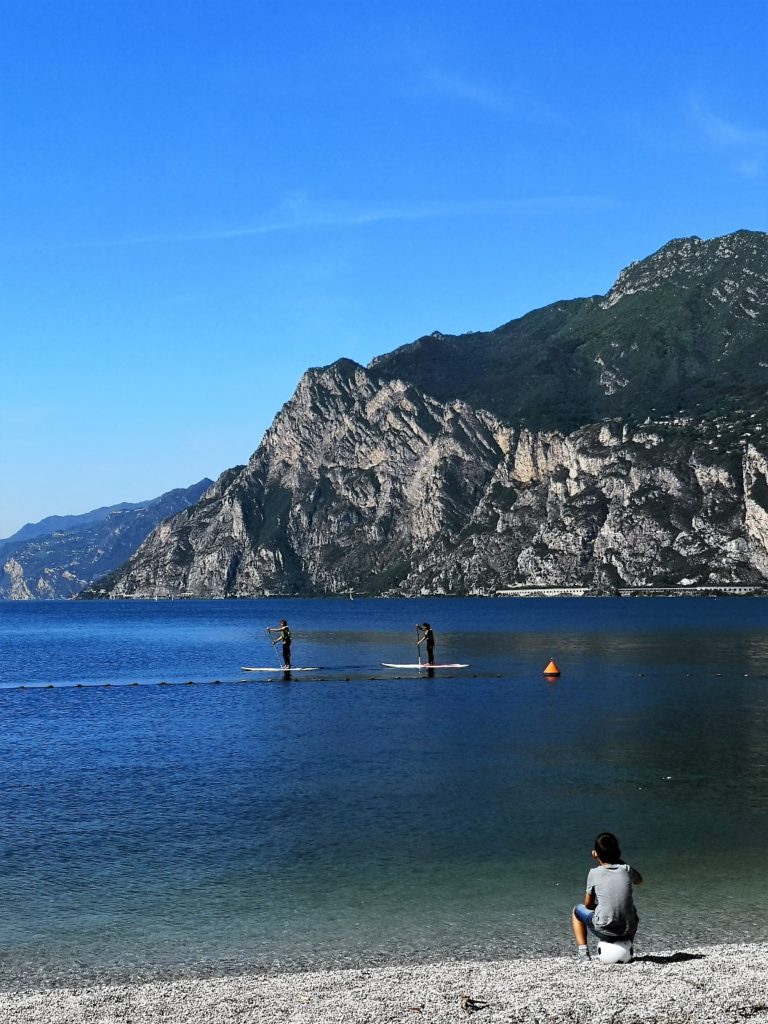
(423, 665)
(275, 668)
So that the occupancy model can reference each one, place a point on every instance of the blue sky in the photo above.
(201, 199)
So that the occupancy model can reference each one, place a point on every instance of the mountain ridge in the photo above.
(61, 523)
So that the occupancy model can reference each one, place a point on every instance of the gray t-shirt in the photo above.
(615, 914)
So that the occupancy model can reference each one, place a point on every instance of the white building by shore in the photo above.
(735, 589)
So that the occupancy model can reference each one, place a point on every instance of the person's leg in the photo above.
(287, 654)
(581, 920)
(579, 930)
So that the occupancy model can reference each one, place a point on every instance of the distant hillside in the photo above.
(684, 331)
(63, 524)
(61, 562)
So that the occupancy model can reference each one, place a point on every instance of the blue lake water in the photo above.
(358, 814)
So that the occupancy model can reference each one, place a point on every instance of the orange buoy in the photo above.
(551, 669)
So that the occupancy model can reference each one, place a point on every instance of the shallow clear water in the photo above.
(360, 814)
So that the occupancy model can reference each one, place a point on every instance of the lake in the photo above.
(359, 815)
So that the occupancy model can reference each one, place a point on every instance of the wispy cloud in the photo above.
(301, 214)
(748, 168)
(517, 105)
(746, 145)
(298, 213)
(437, 83)
(722, 131)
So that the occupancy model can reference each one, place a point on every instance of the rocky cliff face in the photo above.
(355, 475)
(61, 555)
(365, 482)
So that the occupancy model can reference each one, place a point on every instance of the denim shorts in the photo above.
(585, 916)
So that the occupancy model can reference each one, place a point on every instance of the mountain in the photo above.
(560, 449)
(60, 555)
(315, 508)
(399, 493)
(62, 524)
(680, 333)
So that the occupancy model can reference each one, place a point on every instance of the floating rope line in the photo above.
(277, 677)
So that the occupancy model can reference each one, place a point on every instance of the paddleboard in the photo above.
(387, 664)
(275, 668)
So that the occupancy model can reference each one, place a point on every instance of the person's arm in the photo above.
(589, 899)
(637, 878)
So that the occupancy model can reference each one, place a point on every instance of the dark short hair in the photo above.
(607, 848)
(426, 625)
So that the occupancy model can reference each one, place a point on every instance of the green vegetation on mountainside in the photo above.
(684, 332)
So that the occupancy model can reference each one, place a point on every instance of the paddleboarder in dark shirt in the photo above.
(428, 636)
(284, 636)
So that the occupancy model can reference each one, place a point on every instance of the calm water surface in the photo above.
(357, 815)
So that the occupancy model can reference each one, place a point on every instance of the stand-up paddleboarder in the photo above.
(283, 636)
(428, 637)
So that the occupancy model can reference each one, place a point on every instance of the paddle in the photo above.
(274, 648)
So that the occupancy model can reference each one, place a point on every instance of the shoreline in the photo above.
(698, 985)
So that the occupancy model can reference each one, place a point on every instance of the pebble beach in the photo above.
(718, 984)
